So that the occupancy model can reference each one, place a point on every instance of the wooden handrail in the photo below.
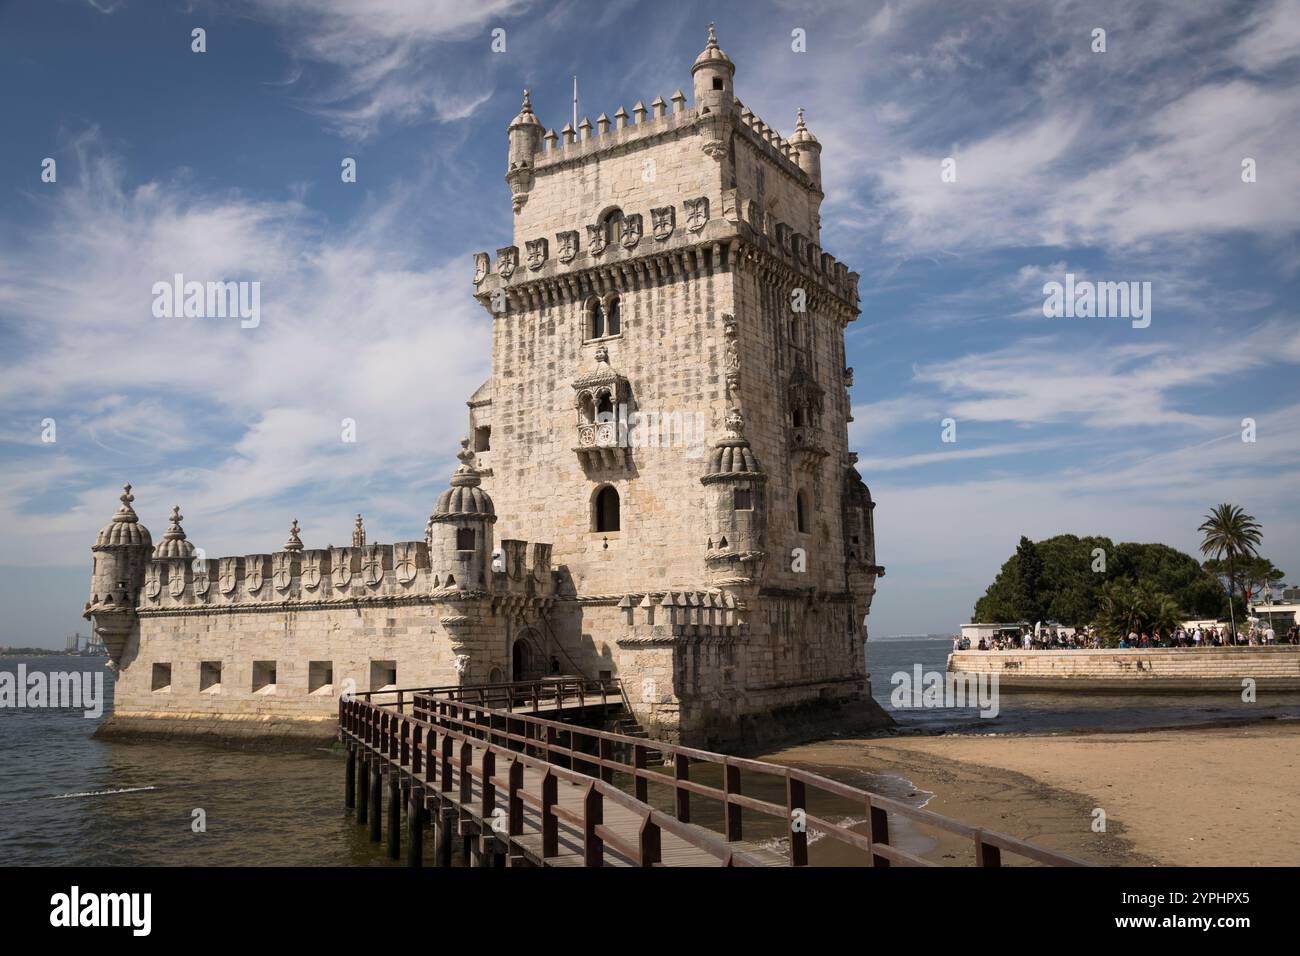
(515, 735)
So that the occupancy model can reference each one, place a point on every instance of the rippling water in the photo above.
(66, 797)
(1047, 712)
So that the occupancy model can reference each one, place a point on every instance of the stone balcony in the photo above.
(600, 446)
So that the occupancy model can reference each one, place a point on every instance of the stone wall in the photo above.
(1136, 669)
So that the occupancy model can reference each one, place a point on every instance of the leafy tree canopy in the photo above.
(1061, 579)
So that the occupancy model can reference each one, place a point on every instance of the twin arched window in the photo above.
(603, 318)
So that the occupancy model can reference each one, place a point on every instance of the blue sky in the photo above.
(1115, 166)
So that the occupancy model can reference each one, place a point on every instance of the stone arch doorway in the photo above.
(527, 662)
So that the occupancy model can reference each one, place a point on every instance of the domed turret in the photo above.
(460, 529)
(734, 493)
(525, 135)
(712, 74)
(121, 552)
(174, 543)
(807, 150)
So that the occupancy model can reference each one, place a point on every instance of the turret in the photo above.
(525, 135)
(808, 151)
(121, 552)
(460, 529)
(712, 73)
(737, 508)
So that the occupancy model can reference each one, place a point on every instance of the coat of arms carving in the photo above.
(481, 266)
(176, 578)
(507, 261)
(341, 568)
(630, 234)
(406, 561)
(153, 581)
(568, 245)
(373, 566)
(254, 571)
(202, 577)
(229, 575)
(662, 222)
(697, 213)
(311, 569)
(537, 251)
(597, 239)
(282, 570)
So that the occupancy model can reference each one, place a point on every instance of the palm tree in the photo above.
(1230, 533)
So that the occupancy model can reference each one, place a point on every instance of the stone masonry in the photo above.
(666, 420)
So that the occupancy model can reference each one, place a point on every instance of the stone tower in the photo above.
(669, 405)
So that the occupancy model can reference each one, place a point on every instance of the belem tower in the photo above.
(656, 487)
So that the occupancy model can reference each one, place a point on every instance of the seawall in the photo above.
(1144, 670)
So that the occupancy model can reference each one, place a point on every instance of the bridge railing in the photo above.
(434, 753)
(579, 753)
(535, 695)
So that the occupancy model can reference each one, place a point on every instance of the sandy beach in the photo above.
(1205, 796)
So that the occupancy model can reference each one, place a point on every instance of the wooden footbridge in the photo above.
(509, 773)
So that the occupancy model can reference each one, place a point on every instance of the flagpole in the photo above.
(575, 103)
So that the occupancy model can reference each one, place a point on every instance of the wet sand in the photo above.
(1205, 796)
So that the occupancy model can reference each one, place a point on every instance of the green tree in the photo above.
(1027, 590)
(1253, 574)
(1230, 535)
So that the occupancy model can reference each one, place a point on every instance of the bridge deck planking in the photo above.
(569, 797)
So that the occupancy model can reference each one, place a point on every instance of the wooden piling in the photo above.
(442, 836)
(394, 817)
(363, 791)
(350, 785)
(376, 802)
(415, 828)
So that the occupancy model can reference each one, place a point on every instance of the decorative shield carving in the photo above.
(596, 239)
(630, 234)
(405, 564)
(341, 567)
(662, 221)
(481, 265)
(202, 577)
(373, 567)
(282, 570)
(229, 568)
(697, 213)
(311, 572)
(176, 578)
(507, 261)
(153, 581)
(568, 245)
(254, 572)
(537, 251)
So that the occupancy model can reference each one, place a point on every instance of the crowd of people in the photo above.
(1061, 638)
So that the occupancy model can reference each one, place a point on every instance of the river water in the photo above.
(66, 797)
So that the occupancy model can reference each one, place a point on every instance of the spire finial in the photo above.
(713, 34)
(528, 103)
(799, 124)
(127, 497)
(125, 513)
(358, 533)
(174, 530)
(294, 543)
(467, 474)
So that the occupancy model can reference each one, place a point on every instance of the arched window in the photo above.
(464, 539)
(595, 319)
(586, 408)
(612, 225)
(604, 407)
(801, 512)
(605, 515)
(612, 316)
